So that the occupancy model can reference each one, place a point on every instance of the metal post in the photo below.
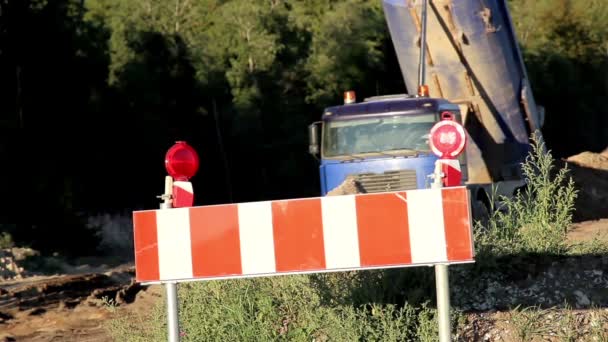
(421, 67)
(170, 287)
(172, 317)
(442, 283)
(443, 302)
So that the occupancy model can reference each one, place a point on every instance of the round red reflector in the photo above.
(181, 161)
(447, 139)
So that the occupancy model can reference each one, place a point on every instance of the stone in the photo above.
(581, 298)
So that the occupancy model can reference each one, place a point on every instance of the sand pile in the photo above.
(590, 173)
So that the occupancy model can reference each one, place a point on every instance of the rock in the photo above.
(581, 298)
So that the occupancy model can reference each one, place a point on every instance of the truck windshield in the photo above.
(405, 133)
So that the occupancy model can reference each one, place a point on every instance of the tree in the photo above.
(345, 49)
(565, 50)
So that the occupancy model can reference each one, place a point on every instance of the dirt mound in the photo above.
(349, 187)
(591, 160)
(68, 307)
(589, 171)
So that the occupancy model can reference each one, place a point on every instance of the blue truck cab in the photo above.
(381, 142)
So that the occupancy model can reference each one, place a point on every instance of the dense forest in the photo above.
(94, 92)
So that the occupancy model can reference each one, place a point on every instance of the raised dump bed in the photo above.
(472, 59)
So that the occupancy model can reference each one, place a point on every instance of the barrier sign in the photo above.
(335, 233)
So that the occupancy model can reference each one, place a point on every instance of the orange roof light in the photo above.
(423, 90)
(349, 97)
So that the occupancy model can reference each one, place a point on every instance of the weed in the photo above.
(599, 325)
(567, 330)
(139, 327)
(109, 303)
(536, 219)
(528, 323)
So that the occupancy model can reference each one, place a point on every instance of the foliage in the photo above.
(533, 323)
(536, 219)
(565, 53)
(528, 322)
(338, 64)
(598, 245)
(280, 308)
(137, 326)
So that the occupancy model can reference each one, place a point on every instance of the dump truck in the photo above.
(472, 67)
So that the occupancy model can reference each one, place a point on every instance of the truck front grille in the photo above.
(387, 181)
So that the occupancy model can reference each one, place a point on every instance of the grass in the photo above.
(138, 327)
(535, 324)
(290, 308)
(528, 323)
(596, 246)
(383, 305)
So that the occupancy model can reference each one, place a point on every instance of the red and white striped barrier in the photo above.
(336, 233)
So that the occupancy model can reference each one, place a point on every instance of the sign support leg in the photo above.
(172, 318)
(170, 287)
(442, 284)
(443, 302)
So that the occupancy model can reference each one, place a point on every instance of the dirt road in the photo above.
(70, 307)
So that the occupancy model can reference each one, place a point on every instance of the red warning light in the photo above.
(447, 138)
(181, 161)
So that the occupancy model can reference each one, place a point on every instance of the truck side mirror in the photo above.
(313, 138)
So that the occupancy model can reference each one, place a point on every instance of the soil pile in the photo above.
(349, 187)
(598, 161)
(589, 171)
(69, 307)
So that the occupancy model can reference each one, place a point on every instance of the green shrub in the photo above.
(536, 219)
